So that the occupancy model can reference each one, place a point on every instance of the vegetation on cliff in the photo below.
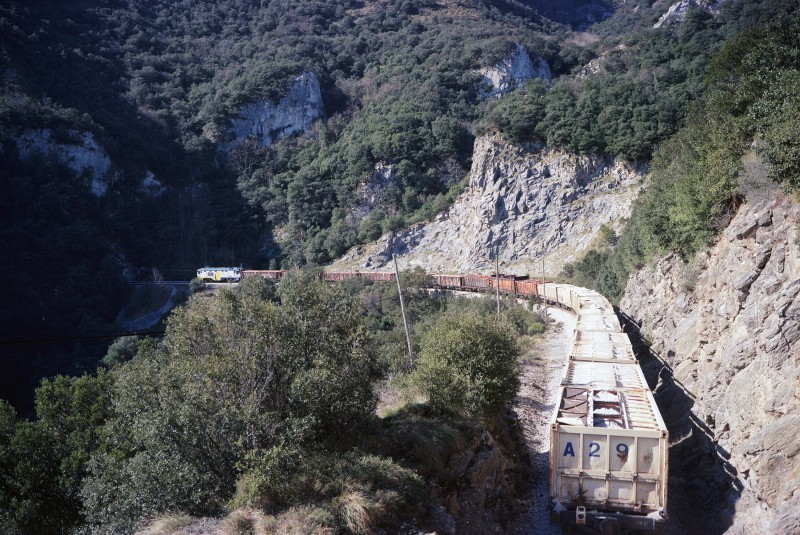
(699, 177)
(262, 398)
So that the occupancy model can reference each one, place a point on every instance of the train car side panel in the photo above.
(477, 282)
(608, 441)
(453, 282)
(271, 274)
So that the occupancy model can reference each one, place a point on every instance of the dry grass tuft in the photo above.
(358, 511)
(240, 522)
(304, 520)
(169, 524)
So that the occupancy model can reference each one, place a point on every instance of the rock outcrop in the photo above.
(376, 193)
(267, 122)
(512, 72)
(476, 493)
(677, 11)
(525, 204)
(77, 150)
(727, 329)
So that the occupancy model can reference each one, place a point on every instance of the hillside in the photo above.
(147, 139)
(646, 150)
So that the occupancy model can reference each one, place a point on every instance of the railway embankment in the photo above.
(724, 341)
(542, 372)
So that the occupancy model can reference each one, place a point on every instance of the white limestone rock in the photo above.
(267, 122)
(528, 204)
(677, 11)
(81, 153)
(512, 72)
(375, 193)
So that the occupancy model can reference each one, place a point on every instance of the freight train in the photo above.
(608, 442)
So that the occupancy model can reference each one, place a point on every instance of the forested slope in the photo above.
(155, 85)
(118, 161)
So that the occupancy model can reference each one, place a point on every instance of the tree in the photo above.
(45, 461)
(235, 377)
(468, 364)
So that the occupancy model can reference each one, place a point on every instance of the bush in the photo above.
(468, 364)
(525, 322)
(196, 285)
(121, 350)
(363, 490)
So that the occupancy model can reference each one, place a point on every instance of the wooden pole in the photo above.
(497, 282)
(403, 310)
(544, 294)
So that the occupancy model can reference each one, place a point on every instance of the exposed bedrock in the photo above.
(267, 121)
(512, 72)
(525, 204)
(727, 329)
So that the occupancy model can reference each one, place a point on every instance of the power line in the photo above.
(23, 341)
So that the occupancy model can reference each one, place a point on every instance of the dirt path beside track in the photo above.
(534, 405)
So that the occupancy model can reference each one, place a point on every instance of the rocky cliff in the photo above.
(678, 11)
(476, 492)
(268, 122)
(512, 72)
(77, 150)
(527, 204)
(726, 330)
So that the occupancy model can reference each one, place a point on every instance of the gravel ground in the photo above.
(534, 405)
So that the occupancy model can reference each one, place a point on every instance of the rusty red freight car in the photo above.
(271, 274)
(506, 283)
(454, 282)
(477, 283)
(526, 287)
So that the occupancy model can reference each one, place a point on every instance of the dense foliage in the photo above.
(158, 83)
(469, 365)
(635, 92)
(699, 176)
(259, 398)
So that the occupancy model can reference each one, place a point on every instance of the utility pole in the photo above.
(544, 295)
(403, 310)
(497, 281)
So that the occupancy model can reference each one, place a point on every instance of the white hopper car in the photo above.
(608, 442)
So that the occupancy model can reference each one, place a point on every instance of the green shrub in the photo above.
(121, 350)
(425, 442)
(468, 364)
(363, 489)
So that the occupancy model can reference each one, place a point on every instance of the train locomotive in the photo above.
(220, 274)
